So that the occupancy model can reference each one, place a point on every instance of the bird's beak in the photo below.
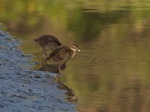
(79, 50)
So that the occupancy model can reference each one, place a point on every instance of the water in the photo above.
(111, 74)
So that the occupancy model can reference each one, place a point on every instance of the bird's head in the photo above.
(74, 48)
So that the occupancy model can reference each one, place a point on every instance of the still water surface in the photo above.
(112, 72)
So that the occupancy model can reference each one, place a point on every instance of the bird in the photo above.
(61, 55)
(47, 42)
(53, 68)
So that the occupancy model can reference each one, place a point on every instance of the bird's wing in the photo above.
(60, 54)
(53, 39)
(55, 52)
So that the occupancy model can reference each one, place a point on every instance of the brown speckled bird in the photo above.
(48, 42)
(61, 55)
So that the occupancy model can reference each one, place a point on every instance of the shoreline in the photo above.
(25, 90)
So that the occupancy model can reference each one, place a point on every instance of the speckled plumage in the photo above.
(61, 55)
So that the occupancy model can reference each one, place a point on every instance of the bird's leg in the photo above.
(44, 57)
(63, 62)
(59, 68)
(62, 65)
(44, 54)
(47, 58)
(44, 62)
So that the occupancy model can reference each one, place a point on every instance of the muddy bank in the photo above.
(25, 90)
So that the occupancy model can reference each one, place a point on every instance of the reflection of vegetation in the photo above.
(28, 16)
(89, 24)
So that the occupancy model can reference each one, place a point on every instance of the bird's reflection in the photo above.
(69, 92)
(53, 68)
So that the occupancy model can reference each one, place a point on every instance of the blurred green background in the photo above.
(112, 72)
